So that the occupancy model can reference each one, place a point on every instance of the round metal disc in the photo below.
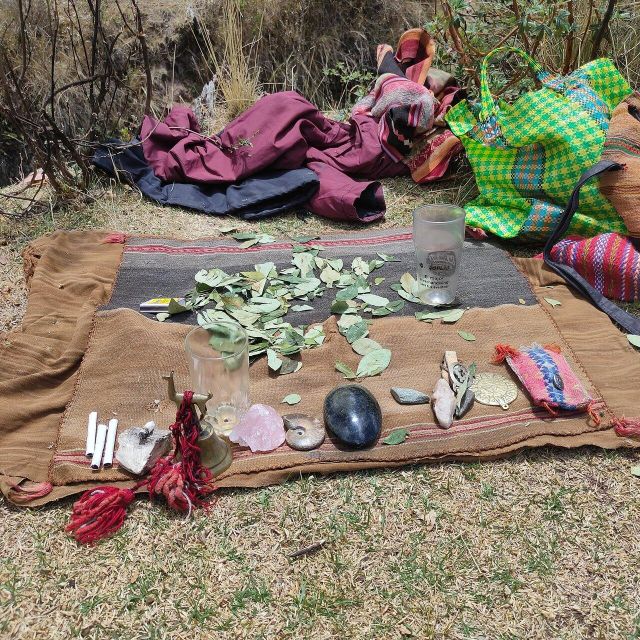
(494, 390)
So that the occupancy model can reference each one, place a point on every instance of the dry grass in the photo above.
(542, 545)
(236, 76)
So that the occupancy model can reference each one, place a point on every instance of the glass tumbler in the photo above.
(219, 364)
(438, 236)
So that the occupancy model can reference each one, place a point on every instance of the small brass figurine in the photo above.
(215, 453)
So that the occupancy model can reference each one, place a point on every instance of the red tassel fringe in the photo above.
(553, 347)
(626, 428)
(99, 513)
(504, 351)
(184, 484)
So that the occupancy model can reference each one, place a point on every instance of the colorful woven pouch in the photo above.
(548, 378)
(609, 262)
(528, 156)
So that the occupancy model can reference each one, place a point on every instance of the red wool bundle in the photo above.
(183, 483)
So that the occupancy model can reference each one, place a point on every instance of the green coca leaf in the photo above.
(397, 436)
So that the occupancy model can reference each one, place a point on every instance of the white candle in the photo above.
(110, 443)
(91, 433)
(99, 449)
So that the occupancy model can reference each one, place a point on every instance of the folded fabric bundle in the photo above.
(610, 262)
(280, 131)
(410, 100)
(256, 197)
(622, 144)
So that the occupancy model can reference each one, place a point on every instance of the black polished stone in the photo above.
(353, 415)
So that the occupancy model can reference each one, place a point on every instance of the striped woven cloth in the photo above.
(410, 100)
(610, 262)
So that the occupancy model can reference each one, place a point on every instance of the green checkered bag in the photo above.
(528, 156)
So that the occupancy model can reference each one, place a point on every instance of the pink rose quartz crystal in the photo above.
(443, 402)
(260, 429)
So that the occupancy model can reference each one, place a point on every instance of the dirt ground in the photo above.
(542, 545)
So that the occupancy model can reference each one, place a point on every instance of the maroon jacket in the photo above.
(280, 131)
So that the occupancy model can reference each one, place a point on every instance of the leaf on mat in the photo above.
(522, 301)
(396, 305)
(408, 283)
(374, 363)
(304, 238)
(161, 317)
(175, 307)
(409, 297)
(397, 436)
(362, 346)
(387, 258)
(348, 293)
(273, 360)
(346, 321)
(292, 398)
(265, 268)
(301, 307)
(304, 288)
(339, 306)
(289, 366)
(244, 235)
(345, 370)
(381, 311)
(228, 228)
(634, 340)
(468, 336)
(448, 315)
(553, 302)
(360, 266)
(329, 276)
(356, 331)
(373, 300)
(378, 281)
(262, 305)
(305, 262)
(635, 471)
(454, 316)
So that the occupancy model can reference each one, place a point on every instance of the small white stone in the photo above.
(139, 448)
(443, 402)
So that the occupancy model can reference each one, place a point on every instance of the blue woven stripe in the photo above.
(548, 370)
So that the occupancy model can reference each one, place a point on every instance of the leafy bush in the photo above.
(560, 35)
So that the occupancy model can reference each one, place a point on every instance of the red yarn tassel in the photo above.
(626, 428)
(184, 484)
(99, 512)
(504, 351)
(551, 411)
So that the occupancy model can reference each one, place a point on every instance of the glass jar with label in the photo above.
(438, 236)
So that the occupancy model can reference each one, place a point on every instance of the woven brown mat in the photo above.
(126, 354)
